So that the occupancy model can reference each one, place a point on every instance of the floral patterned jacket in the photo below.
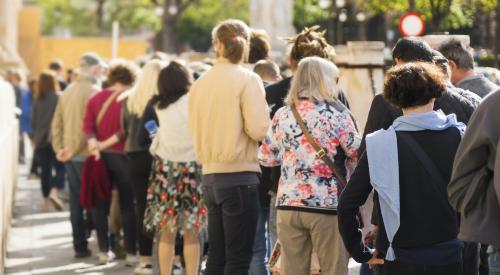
(306, 182)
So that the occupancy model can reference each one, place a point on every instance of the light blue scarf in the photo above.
(382, 153)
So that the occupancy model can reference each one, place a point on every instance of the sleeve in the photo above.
(475, 155)
(381, 115)
(354, 196)
(143, 138)
(349, 141)
(125, 119)
(269, 151)
(35, 115)
(89, 120)
(57, 128)
(254, 109)
(121, 134)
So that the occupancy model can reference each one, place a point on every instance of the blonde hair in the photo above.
(315, 80)
(235, 36)
(145, 88)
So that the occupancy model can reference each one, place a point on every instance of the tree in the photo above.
(96, 17)
(172, 12)
(196, 23)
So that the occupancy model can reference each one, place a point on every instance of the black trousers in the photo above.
(232, 222)
(139, 167)
(398, 268)
(116, 164)
(49, 163)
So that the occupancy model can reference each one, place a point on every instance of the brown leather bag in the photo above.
(321, 153)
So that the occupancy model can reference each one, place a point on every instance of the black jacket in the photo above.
(382, 113)
(426, 216)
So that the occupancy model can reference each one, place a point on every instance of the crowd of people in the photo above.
(257, 172)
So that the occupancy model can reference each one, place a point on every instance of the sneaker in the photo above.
(56, 203)
(143, 269)
(105, 258)
(83, 254)
(131, 260)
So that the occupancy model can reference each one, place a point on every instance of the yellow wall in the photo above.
(37, 50)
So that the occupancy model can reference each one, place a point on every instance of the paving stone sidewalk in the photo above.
(41, 243)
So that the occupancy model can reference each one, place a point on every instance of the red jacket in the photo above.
(95, 183)
(111, 121)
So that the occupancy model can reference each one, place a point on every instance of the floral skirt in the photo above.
(174, 199)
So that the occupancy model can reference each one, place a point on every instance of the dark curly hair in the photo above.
(413, 84)
(310, 42)
(123, 73)
(174, 81)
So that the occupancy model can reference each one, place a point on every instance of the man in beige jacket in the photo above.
(228, 115)
(69, 142)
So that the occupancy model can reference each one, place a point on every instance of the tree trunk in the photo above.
(411, 5)
(100, 13)
(168, 36)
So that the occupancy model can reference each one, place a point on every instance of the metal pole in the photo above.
(115, 36)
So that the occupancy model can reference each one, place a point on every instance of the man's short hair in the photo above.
(454, 50)
(56, 65)
(267, 69)
(411, 50)
(259, 46)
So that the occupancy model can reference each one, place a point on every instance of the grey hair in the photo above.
(455, 51)
(315, 79)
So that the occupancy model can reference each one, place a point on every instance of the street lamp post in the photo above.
(337, 20)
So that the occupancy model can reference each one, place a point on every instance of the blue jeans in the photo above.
(365, 270)
(261, 245)
(74, 171)
(494, 261)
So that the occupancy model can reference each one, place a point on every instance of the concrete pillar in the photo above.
(435, 40)
(275, 17)
(8, 34)
(362, 75)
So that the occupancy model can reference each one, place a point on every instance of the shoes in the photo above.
(83, 254)
(131, 260)
(178, 270)
(143, 269)
(56, 202)
(119, 252)
(105, 258)
(54, 199)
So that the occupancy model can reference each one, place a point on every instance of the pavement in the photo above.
(41, 243)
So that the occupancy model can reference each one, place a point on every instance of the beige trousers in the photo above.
(300, 233)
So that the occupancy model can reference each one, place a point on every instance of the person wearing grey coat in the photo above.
(474, 189)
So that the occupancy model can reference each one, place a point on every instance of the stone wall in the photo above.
(362, 75)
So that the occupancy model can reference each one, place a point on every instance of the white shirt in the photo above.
(173, 141)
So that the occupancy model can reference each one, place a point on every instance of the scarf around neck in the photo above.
(383, 163)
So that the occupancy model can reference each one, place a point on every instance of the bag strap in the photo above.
(106, 106)
(321, 153)
(427, 162)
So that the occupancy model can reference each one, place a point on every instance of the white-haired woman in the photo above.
(309, 188)
(140, 160)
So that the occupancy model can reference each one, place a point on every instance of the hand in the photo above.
(93, 144)
(375, 261)
(63, 155)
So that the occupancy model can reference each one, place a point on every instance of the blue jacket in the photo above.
(26, 106)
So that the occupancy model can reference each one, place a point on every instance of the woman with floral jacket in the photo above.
(308, 190)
